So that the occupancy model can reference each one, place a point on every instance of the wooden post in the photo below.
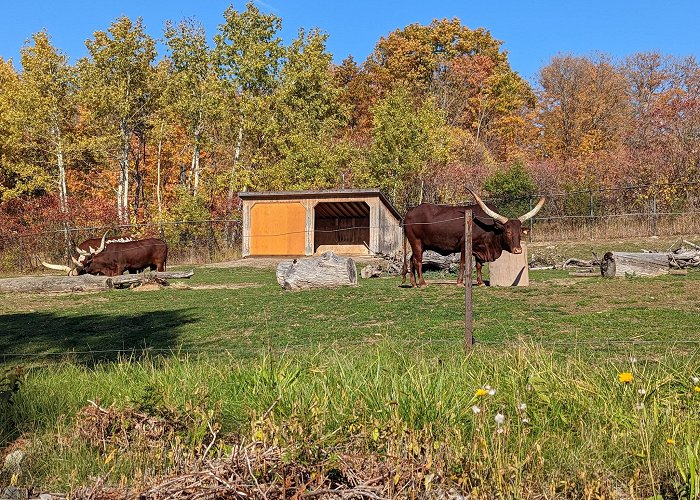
(468, 320)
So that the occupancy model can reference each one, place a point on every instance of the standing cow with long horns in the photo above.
(440, 228)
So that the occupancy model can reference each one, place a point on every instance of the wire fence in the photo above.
(629, 212)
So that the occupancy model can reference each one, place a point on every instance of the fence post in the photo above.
(468, 319)
(654, 215)
(591, 214)
(529, 236)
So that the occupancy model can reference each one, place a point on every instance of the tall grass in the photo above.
(567, 425)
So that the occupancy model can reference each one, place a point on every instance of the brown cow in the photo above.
(131, 256)
(82, 250)
(113, 257)
(441, 228)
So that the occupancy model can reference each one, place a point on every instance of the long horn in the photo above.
(83, 252)
(488, 211)
(56, 267)
(102, 245)
(77, 262)
(532, 212)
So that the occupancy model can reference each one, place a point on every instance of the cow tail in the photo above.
(404, 269)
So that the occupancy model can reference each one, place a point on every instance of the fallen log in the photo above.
(83, 283)
(327, 271)
(39, 284)
(130, 279)
(621, 264)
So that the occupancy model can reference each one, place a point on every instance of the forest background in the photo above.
(127, 135)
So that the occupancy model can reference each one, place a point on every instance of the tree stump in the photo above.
(621, 264)
(327, 271)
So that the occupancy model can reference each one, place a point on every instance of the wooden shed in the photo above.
(312, 222)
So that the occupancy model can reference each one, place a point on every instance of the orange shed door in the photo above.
(277, 229)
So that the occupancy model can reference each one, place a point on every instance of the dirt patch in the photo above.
(147, 287)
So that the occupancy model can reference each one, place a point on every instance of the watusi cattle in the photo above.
(131, 256)
(113, 257)
(440, 228)
(82, 250)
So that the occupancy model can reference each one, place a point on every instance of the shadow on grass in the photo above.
(28, 338)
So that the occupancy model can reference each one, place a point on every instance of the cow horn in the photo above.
(532, 212)
(488, 211)
(56, 267)
(102, 245)
(77, 263)
(83, 252)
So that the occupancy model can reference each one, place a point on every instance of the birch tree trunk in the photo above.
(158, 193)
(123, 187)
(231, 190)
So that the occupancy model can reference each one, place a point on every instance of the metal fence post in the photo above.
(654, 215)
(591, 214)
(529, 236)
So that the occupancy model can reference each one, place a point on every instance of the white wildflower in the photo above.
(500, 430)
(476, 410)
(522, 407)
(499, 418)
(492, 392)
(526, 420)
(641, 391)
(695, 380)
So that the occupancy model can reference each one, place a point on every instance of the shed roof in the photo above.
(320, 195)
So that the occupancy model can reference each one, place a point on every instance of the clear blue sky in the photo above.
(532, 31)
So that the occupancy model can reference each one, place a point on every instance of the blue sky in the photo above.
(532, 31)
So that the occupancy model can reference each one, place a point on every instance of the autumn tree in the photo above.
(46, 106)
(584, 106)
(467, 73)
(115, 88)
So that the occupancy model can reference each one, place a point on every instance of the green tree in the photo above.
(406, 141)
(308, 119)
(249, 52)
(115, 87)
(192, 87)
(511, 189)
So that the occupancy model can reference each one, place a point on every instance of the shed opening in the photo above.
(341, 224)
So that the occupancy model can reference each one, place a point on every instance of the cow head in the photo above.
(79, 263)
(510, 229)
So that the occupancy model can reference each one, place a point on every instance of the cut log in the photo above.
(83, 283)
(38, 284)
(621, 264)
(510, 269)
(130, 279)
(327, 271)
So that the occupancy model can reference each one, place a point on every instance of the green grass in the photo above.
(373, 370)
(259, 315)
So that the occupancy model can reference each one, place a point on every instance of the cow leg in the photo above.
(479, 280)
(419, 267)
(460, 277)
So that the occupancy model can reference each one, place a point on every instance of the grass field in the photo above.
(192, 373)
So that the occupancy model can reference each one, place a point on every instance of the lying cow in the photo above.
(441, 228)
